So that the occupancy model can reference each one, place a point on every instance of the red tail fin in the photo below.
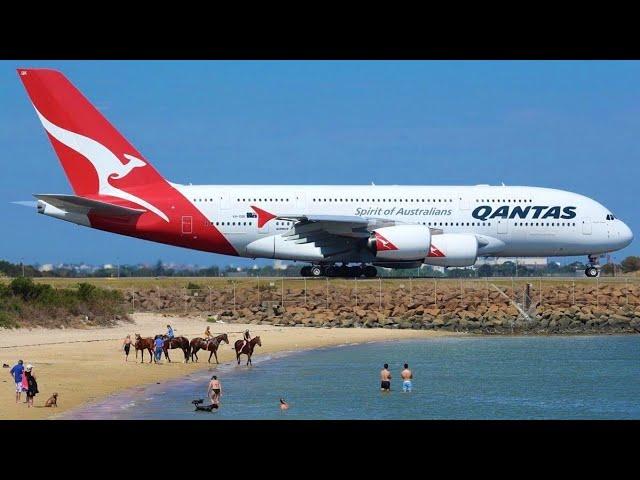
(96, 158)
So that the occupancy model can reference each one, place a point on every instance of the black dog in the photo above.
(203, 408)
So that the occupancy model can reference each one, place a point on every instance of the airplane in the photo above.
(344, 230)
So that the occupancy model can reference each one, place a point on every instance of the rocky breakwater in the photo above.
(473, 307)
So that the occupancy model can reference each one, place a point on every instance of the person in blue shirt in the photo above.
(170, 332)
(16, 372)
(159, 344)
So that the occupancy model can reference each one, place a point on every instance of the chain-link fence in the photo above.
(235, 297)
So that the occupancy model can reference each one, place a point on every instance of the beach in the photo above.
(85, 365)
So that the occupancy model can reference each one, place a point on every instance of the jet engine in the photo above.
(452, 250)
(400, 242)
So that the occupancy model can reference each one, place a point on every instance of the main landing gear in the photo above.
(593, 267)
(369, 271)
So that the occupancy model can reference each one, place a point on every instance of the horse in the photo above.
(246, 349)
(211, 345)
(176, 342)
(144, 344)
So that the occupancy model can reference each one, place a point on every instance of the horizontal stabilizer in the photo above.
(82, 205)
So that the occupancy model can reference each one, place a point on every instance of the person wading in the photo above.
(385, 378)
(407, 376)
(214, 391)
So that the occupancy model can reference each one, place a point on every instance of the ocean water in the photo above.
(454, 378)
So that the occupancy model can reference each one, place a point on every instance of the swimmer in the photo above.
(283, 405)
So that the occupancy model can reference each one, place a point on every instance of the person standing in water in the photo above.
(214, 391)
(126, 344)
(407, 376)
(385, 378)
(283, 405)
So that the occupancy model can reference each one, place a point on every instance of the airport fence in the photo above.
(241, 297)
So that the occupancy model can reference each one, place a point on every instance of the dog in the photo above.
(203, 408)
(52, 401)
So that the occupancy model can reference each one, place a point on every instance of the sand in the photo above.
(84, 365)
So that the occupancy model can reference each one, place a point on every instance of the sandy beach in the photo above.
(84, 365)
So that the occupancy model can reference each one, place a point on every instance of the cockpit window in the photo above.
(610, 217)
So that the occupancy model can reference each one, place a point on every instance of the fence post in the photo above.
(410, 291)
(355, 283)
(435, 292)
(327, 279)
(540, 285)
(486, 287)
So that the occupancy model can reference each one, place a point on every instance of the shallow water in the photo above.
(454, 378)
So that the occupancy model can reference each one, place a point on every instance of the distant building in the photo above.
(47, 267)
(279, 265)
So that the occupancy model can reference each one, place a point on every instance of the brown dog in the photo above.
(53, 401)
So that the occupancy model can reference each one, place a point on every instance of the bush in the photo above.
(193, 286)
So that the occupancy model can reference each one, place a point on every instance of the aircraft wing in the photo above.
(329, 231)
(82, 205)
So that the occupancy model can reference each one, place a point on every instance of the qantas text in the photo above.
(485, 212)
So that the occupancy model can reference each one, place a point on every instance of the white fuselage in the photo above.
(517, 221)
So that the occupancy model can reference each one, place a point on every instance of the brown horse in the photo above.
(246, 349)
(144, 344)
(176, 342)
(212, 346)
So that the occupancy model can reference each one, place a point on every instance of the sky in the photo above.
(559, 124)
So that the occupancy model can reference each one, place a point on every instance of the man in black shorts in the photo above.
(385, 379)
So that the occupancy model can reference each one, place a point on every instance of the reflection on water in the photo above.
(455, 378)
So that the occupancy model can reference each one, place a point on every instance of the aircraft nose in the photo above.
(625, 234)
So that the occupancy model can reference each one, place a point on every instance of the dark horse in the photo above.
(144, 344)
(247, 349)
(176, 342)
(211, 346)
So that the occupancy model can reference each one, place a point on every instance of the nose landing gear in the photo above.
(593, 267)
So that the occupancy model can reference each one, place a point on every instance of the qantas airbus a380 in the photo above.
(340, 230)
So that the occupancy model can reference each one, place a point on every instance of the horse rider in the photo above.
(207, 335)
(170, 334)
(245, 340)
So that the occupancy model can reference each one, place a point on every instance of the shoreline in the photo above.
(87, 365)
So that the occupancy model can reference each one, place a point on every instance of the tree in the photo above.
(485, 271)
(631, 264)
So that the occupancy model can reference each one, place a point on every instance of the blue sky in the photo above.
(567, 125)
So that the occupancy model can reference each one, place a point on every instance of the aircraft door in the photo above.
(503, 226)
(187, 224)
(586, 226)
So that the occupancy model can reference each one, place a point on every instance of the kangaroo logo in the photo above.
(105, 162)
(384, 244)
